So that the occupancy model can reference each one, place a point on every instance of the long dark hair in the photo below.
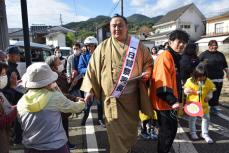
(3, 66)
(199, 71)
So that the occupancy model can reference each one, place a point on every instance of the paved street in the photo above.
(93, 138)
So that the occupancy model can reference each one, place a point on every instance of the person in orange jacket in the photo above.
(165, 88)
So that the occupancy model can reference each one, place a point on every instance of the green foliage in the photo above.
(70, 38)
(89, 27)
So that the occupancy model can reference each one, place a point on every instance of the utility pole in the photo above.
(121, 7)
(26, 32)
(4, 39)
(61, 21)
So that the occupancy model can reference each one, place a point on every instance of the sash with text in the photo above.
(127, 67)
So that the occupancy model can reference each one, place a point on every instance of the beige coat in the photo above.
(121, 113)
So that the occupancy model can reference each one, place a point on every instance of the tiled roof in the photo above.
(173, 15)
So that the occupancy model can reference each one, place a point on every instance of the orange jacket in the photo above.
(163, 78)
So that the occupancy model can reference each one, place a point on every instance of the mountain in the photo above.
(136, 18)
(86, 28)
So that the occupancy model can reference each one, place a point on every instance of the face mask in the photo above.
(3, 81)
(76, 52)
(60, 68)
(58, 54)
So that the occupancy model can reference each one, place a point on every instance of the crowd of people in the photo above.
(126, 82)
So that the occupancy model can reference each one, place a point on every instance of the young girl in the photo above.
(199, 88)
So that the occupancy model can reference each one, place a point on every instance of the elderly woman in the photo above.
(55, 64)
(215, 64)
(39, 111)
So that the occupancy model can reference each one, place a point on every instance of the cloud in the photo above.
(161, 7)
(41, 12)
(137, 3)
(115, 1)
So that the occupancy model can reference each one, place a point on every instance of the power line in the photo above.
(114, 7)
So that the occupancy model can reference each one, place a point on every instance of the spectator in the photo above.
(165, 88)
(58, 53)
(215, 64)
(12, 95)
(2, 56)
(154, 53)
(91, 43)
(199, 89)
(39, 111)
(8, 113)
(72, 69)
(54, 63)
(189, 60)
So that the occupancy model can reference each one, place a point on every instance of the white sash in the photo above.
(127, 67)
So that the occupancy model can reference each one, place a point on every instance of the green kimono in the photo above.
(121, 113)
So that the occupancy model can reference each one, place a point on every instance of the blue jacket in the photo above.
(83, 62)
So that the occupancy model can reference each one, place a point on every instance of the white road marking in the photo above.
(90, 135)
(179, 146)
(213, 127)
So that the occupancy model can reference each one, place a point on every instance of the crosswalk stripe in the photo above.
(214, 127)
(184, 147)
(223, 116)
(90, 135)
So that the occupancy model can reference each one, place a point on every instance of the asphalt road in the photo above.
(92, 138)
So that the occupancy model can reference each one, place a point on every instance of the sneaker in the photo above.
(207, 138)
(153, 134)
(194, 136)
(71, 146)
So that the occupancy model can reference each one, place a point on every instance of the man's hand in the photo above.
(145, 76)
(88, 97)
(79, 99)
(176, 105)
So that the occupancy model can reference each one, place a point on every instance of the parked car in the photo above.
(39, 52)
(66, 51)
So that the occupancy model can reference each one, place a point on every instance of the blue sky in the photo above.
(48, 11)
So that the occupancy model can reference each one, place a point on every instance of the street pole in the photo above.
(4, 39)
(121, 7)
(26, 32)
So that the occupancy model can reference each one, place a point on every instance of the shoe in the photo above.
(71, 146)
(100, 122)
(194, 136)
(153, 134)
(145, 135)
(207, 138)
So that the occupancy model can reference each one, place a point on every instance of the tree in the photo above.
(70, 38)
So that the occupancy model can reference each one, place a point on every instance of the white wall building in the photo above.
(217, 28)
(57, 36)
(188, 18)
(56, 39)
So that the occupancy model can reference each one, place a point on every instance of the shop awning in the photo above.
(218, 39)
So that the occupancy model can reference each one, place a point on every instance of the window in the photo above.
(185, 26)
(219, 28)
